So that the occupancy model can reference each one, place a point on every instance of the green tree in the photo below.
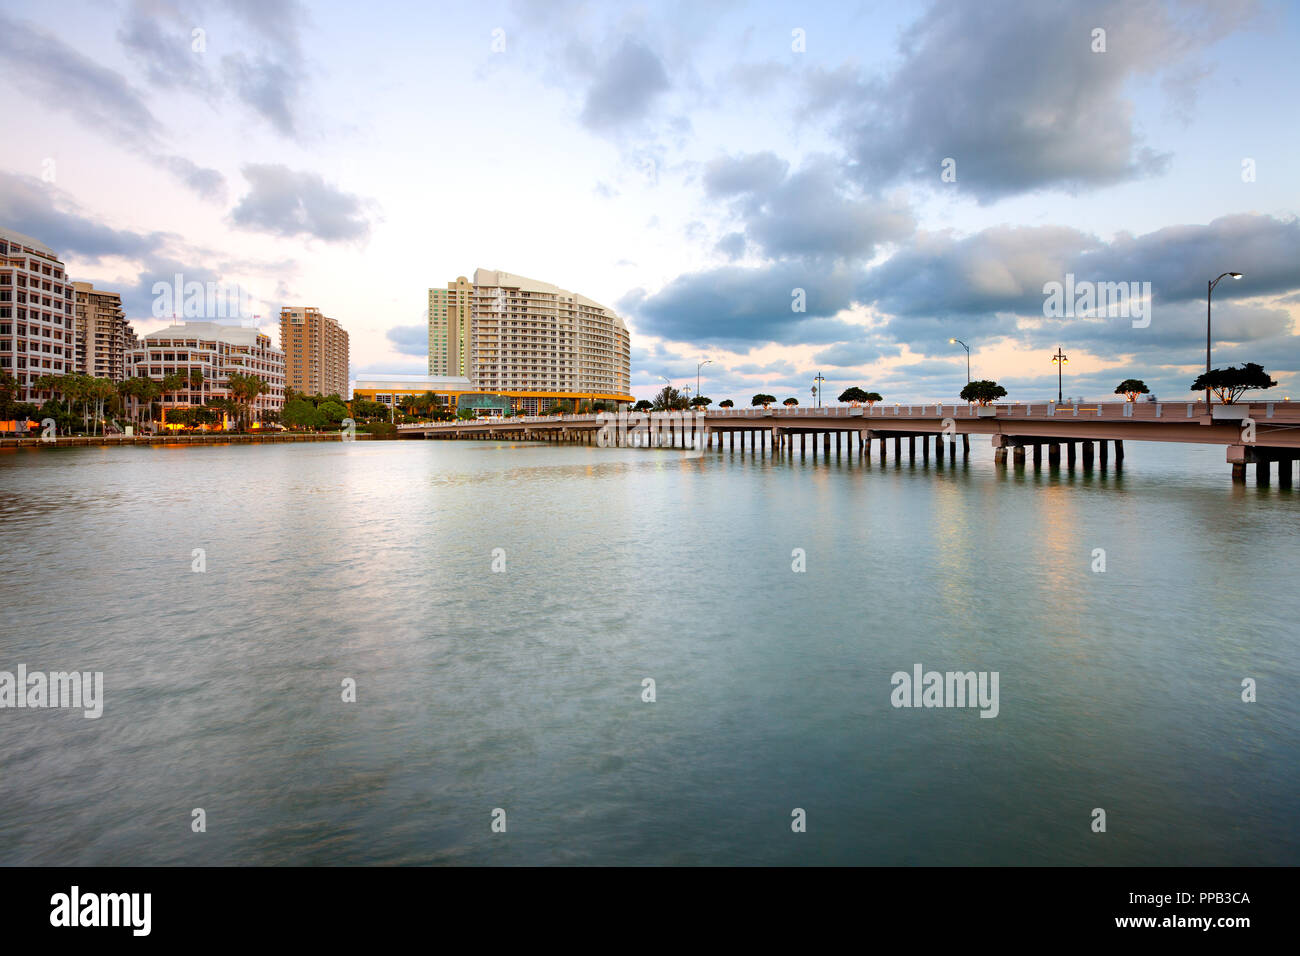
(726, 403)
(983, 391)
(643, 406)
(701, 401)
(790, 402)
(244, 390)
(853, 395)
(668, 399)
(1231, 383)
(301, 413)
(762, 399)
(1131, 388)
(332, 413)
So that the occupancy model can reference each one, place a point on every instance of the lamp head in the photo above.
(1235, 275)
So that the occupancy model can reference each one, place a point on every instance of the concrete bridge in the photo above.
(1258, 433)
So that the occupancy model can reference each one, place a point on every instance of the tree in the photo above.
(1131, 388)
(790, 402)
(365, 410)
(761, 399)
(726, 403)
(643, 406)
(244, 390)
(668, 399)
(1231, 383)
(983, 391)
(701, 401)
(301, 413)
(853, 395)
(332, 413)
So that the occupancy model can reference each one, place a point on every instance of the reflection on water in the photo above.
(522, 689)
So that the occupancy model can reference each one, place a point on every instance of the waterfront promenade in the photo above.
(1258, 433)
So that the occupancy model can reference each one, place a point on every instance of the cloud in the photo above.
(409, 339)
(849, 354)
(738, 307)
(98, 98)
(37, 209)
(1014, 93)
(624, 88)
(288, 203)
(267, 75)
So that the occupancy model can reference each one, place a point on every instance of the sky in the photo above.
(781, 190)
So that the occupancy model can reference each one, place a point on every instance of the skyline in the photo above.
(690, 172)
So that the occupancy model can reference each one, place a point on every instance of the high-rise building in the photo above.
(530, 341)
(214, 350)
(449, 328)
(37, 331)
(315, 352)
(103, 335)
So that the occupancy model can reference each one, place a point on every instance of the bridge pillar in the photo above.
(1054, 455)
(1000, 454)
(1284, 473)
(1262, 469)
(884, 448)
(925, 449)
(1104, 449)
(1018, 456)
(911, 448)
(826, 444)
(965, 445)
(1087, 454)
(1069, 453)
(938, 448)
(1038, 454)
(898, 447)
(1119, 450)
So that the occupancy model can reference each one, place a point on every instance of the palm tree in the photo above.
(244, 389)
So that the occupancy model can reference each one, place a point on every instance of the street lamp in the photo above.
(1209, 292)
(698, 366)
(817, 391)
(1060, 360)
(967, 348)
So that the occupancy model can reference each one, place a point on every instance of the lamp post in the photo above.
(1060, 360)
(816, 389)
(967, 348)
(698, 366)
(1209, 293)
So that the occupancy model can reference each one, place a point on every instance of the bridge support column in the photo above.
(898, 448)
(1239, 472)
(1018, 456)
(884, 449)
(911, 448)
(938, 448)
(1105, 453)
(826, 445)
(1069, 453)
(1284, 473)
(1087, 454)
(1263, 467)
(1038, 454)
(1054, 455)
(1119, 450)
(925, 449)
(965, 446)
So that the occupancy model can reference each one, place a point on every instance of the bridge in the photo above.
(1258, 433)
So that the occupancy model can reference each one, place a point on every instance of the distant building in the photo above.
(449, 328)
(37, 331)
(215, 350)
(315, 352)
(103, 335)
(528, 342)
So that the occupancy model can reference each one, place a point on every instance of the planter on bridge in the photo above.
(986, 411)
(1229, 413)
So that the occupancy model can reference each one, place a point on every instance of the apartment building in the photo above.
(528, 340)
(449, 328)
(37, 324)
(103, 335)
(215, 350)
(315, 352)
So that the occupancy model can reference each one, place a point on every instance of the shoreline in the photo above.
(231, 438)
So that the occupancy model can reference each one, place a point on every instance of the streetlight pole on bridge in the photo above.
(1209, 293)
(1060, 360)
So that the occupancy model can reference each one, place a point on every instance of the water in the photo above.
(522, 690)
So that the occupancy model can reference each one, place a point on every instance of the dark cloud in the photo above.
(286, 202)
(809, 214)
(36, 209)
(625, 87)
(731, 245)
(847, 354)
(409, 339)
(738, 307)
(1012, 90)
(269, 86)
